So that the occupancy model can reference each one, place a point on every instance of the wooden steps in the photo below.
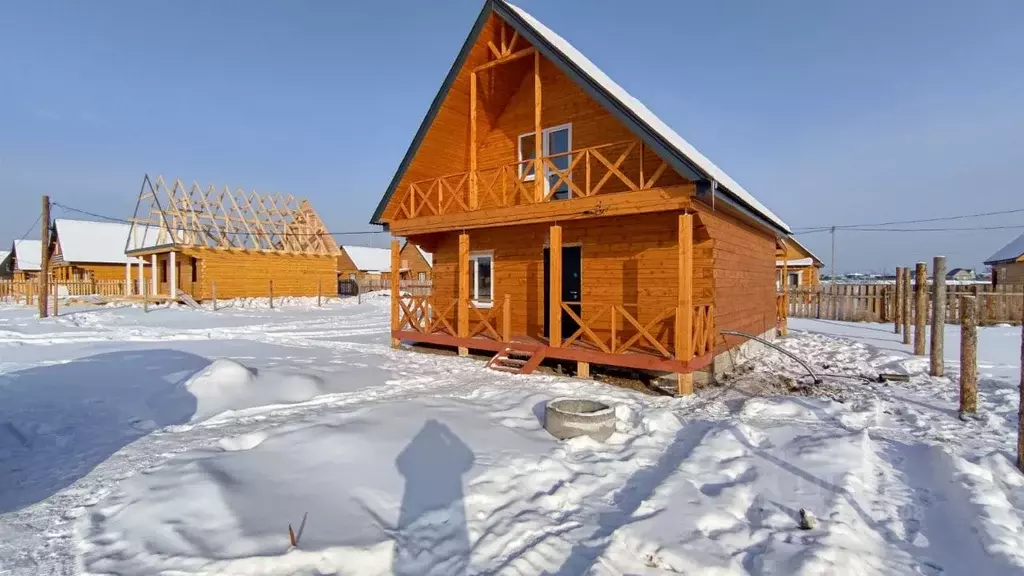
(515, 360)
(187, 299)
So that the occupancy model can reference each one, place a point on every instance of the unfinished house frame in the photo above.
(215, 242)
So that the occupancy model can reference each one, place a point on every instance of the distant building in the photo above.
(960, 275)
(416, 263)
(25, 259)
(5, 264)
(1008, 263)
(363, 263)
(801, 267)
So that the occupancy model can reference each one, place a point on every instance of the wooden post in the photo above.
(506, 318)
(684, 304)
(44, 259)
(396, 254)
(905, 304)
(784, 328)
(145, 298)
(473, 193)
(271, 294)
(968, 355)
(897, 306)
(319, 292)
(555, 288)
(938, 314)
(172, 271)
(920, 308)
(538, 149)
(463, 328)
(582, 369)
(55, 299)
(213, 292)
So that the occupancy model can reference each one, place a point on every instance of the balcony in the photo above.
(626, 166)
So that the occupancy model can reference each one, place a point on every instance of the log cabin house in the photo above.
(797, 265)
(416, 263)
(85, 251)
(6, 269)
(364, 264)
(1008, 263)
(568, 222)
(221, 243)
(26, 257)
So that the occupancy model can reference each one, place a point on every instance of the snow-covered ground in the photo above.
(188, 442)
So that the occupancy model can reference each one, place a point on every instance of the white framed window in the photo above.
(422, 276)
(794, 278)
(481, 268)
(556, 140)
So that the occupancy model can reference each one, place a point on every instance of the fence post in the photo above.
(968, 355)
(271, 294)
(318, 292)
(920, 308)
(897, 304)
(905, 304)
(56, 312)
(213, 293)
(145, 297)
(938, 314)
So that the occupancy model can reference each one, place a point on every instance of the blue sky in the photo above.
(828, 112)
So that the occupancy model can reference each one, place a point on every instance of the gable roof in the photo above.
(679, 153)
(369, 259)
(95, 242)
(426, 256)
(956, 271)
(809, 260)
(28, 254)
(1009, 253)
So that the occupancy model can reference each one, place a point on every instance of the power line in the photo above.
(233, 232)
(32, 227)
(810, 229)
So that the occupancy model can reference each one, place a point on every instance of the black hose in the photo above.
(773, 346)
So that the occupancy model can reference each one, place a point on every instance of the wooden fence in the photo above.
(876, 302)
(26, 291)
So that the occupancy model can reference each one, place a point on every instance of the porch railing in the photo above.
(15, 290)
(427, 315)
(626, 333)
(608, 168)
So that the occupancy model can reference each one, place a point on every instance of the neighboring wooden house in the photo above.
(85, 251)
(798, 265)
(230, 244)
(364, 264)
(960, 275)
(1008, 263)
(631, 248)
(26, 256)
(416, 263)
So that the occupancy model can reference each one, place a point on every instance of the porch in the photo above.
(525, 291)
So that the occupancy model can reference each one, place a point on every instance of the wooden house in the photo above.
(569, 222)
(25, 260)
(416, 263)
(364, 264)
(960, 275)
(222, 243)
(87, 251)
(797, 265)
(1008, 263)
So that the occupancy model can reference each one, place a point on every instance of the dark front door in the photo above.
(572, 287)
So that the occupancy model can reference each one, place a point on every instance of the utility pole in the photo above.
(833, 254)
(44, 260)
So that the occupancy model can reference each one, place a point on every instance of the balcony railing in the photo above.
(606, 169)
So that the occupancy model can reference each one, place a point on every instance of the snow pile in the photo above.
(227, 385)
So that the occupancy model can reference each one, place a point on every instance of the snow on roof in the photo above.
(369, 259)
(800, 262)
(803, 249)
(426, 256)
(97, 242)
(645, 115)
(27, 254)
(1008, 253)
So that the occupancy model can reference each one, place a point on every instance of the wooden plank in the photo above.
(555, 287)
(514, 56)
(396, 256)
(538, 183)
(784, 328)
(474, 200)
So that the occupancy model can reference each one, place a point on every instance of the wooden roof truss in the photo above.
(176, 215)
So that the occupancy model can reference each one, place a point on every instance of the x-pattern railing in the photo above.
(625, 166)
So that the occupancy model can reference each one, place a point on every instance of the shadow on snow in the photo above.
(58, 422)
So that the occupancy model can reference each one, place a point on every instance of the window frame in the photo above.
(799, 277)
(474, 269)
(545, 151)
